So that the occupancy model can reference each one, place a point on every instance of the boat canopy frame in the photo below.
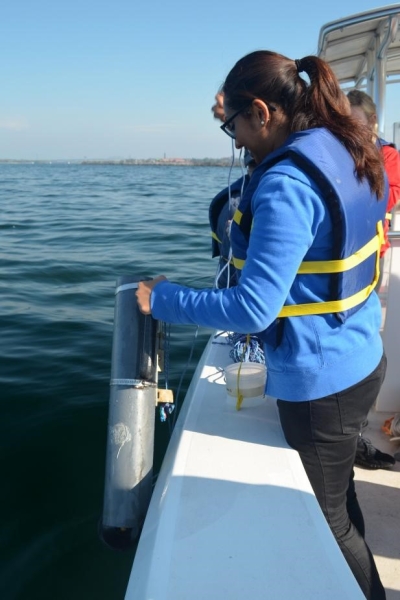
(364, 52)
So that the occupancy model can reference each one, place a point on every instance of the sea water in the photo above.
(67, 232)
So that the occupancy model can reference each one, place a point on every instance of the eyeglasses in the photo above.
(228, 126)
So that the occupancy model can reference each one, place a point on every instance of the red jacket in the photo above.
(391, 158)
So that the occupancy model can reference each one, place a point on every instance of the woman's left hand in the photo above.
(143, 293)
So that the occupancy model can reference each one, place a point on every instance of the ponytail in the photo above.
(324, 104)
(274, 78)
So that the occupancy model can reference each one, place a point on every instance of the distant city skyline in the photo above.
(101, 80)
(223, 161)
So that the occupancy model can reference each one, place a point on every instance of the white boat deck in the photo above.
(233, 514)
(234, 507)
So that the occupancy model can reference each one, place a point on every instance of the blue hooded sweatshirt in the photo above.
(317, 355)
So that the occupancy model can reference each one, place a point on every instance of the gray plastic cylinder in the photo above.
(131, 419)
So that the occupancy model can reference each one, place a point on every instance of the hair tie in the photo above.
(298, 63)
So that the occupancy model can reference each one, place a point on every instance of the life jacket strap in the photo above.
(237, 216)
(238, 263)
(344, 264)
(335, 306)
(215, 237)
(335, 266)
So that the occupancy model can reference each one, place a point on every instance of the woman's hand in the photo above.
(143, 293)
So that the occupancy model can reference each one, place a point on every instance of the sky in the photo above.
(122, 79)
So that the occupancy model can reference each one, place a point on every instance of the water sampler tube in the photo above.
(131, 420)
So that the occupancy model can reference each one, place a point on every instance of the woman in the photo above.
(364, 109)
(315, 199)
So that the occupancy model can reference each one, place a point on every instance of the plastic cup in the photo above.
(248, 380)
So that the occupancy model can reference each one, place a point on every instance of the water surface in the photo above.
(67, 233)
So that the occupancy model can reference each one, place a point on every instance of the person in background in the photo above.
(363, 108)
(222, 209)
(218, 108)
(317, 168)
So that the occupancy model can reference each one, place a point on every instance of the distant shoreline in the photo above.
(177, 162)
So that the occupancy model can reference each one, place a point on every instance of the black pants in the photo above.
(325, 432)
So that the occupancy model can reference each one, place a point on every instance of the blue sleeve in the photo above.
(286, 215)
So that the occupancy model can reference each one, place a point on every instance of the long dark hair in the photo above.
(275, 79)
